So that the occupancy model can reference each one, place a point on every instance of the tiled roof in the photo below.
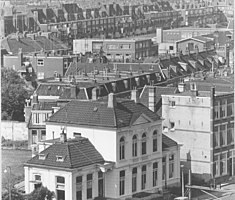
(76, 153)
(167, 142)
(60, 89)
(96, 113)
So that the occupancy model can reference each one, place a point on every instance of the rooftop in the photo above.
(167, 142)
(73, 153)
(97, 113)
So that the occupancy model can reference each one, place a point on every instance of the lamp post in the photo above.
(8, 170)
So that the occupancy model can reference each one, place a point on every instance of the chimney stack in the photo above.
(63, 137)
(181, 86)
(35, 99)
(135, 95)
(111, 100)
(94, 94)
(193, 89)
(73, 89)
(152, 98)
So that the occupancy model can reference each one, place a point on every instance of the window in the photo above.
(155, 169)
(40, 62)
(122, 183)
(172, 104)
(143, 144)
(154, 141)
(216, 165)
(223, 164)
(59, 159)
(171, 47)
(230, 133)
(230, 107)
(43, 134)
(223, 135)
(143, 177)
(122, 148)
(223, 109)
(34, 136)
(79, 188)
(216, 136)
(36, 118)
(89, 186)
(172, 125)
(134, 179)
(100, 184)
(134, 146)
(37, 177)
(60, 182)
(163, 168)
(171, 166)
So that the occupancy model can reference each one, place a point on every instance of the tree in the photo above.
(14, 195)
(14, 92)
(41, 193)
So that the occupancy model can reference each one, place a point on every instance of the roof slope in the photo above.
(97, 113)
(76, 153)
(167, 142)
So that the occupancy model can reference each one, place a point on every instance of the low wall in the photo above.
(14, 130)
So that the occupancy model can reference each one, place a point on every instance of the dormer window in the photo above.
(42, 156)
(59, 159)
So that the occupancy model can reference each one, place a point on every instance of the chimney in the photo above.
(111, 100)
(73, 90)
(27, 111)
(152, 98)
(193, 89)
(159, 34)
(63, 137)
(35, 99)
(135, 95)
(181, 86)
(20, 56)
(94, 94)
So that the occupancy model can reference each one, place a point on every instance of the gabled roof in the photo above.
(75, 153)
(97, 113)
(167, 142)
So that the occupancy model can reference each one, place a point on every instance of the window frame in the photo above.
(155, 141)
(144, 144)
(122, 148)
(134, 146)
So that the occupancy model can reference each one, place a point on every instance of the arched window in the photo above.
(122, 148)
(154, 141)
(143, 144)
(134, 146)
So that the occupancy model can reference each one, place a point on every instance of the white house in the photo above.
(71, 168)
(126, 133)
